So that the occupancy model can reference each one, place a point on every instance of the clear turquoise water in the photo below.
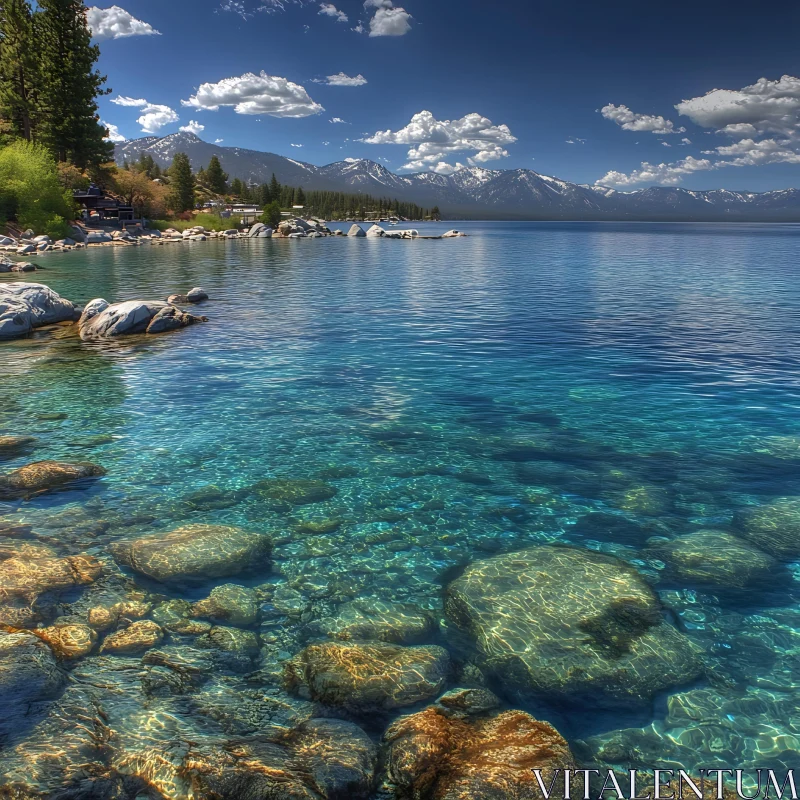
(647, 356)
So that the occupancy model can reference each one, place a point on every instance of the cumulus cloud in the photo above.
(631, 121)
(192, 127)
(341, 79)
(339, 121)
(218, 141)
(387, 20)
(432, 140)
(116, 23)
(751, 153)
(113, 133)
(153, 118)
(763, 107)
(330, 10)
(664, 174)
(255, 94)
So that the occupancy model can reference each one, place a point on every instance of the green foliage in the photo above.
(216, 179)
(271, 215)
(181, 183)
(31, 192)
(68, 84)
(300, 196)
(211, 222)
(19, 76)
(274, 188)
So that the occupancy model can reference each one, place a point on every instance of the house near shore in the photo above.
(97, 206)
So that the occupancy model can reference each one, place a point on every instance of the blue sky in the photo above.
(584, 91)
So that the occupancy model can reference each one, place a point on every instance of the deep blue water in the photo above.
(651, 358)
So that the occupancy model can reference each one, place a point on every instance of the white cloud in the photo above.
(352, 160)
(686, 141)
(218, 141)
(255, 94)
(330, 10)
(575, 140)
(297, 145)
(443, 168)
(434, 140)
(666, 144)
(339, 121)
(326, 143)
(664, 174)
(116, 23)
(247, 10)
(341, 79)
(750, 153)
(359, 28)
(763, 107)
(154, 117)
(113, 133)
(132, 102)
(390, 22)
(192, 127)
(631, 121)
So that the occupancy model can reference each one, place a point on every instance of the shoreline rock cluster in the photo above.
(24, 307)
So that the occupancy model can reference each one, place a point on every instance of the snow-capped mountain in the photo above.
(475, 191)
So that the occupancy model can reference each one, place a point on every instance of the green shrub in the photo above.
(31, 192)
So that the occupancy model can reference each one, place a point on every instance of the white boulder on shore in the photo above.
(103, 321)
(25, 306)
(260, 231)
(376, 230)
(357, 231)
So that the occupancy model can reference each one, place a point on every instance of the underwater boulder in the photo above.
(237, 605)
(713, 557)
(774, 527)
(438, 756)
(287, 492)
(28, 672)
(45, 476)
(195, 553)
(136, 638)
(322, 759)
(12, 446)
(369, 676)
(382, 621)
(570, 625)
(68, 640)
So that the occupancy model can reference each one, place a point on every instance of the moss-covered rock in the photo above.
(713, 557)
(569, 624)
(195, 553)
(369, 676)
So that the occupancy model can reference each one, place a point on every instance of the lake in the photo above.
(397, 414)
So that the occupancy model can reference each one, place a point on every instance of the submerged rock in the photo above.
(101, 320)
(44, 476)
(28, 672)
(11, 446)
(369, 676)
(196, 295)
(435, 756)
(322, 759)
(237, 605)
(68, 641)
(714, 557)
(136, 638)
(25, 306)
(383, 621)
(774, 527)
(195, 553)
(286, 492)
(570, 624)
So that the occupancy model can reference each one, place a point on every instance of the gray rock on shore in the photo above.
(356, 230)
(25, 306)
(102, 321)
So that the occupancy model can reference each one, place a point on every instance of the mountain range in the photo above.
(476, 192)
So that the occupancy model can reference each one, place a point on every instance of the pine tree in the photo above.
(275, 188)
(69, 84)
(300, 197)
(435, 213)
(181, 183)
(264, 195)
(272, 214)
(18, 68)
(215, 177)
(237, 188)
